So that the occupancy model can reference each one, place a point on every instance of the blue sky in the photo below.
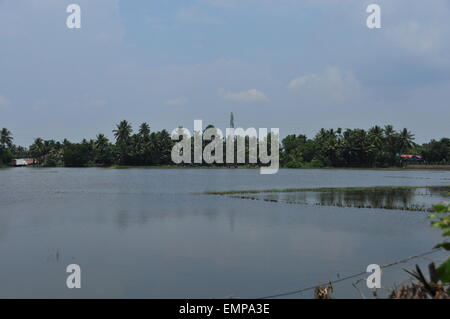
(298, 65)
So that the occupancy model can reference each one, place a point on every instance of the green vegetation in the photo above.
(326, 189)
(437, 285)
(130, 150)
(377, 147)
(441, 219)
(384, 197)
(5, 147)
(353, 148)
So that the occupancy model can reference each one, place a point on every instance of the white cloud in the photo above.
(417, 38)
(422, 31)
(4, 103)
(196, 15)
(333, 84)
(219, 3)
(177, 101)
(304, 81)
(249, 96)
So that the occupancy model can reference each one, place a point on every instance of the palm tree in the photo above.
(356, 147)
(376, 136)
(38, 149)
(405, 140)
(165, 144)
(391, 145)
(389, 130)
(102, 149)
(376, 143)
(143, 145)
(122, 132)
(144, 130)
(102, 142)
(6, 138)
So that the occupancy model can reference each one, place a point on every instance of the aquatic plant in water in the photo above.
(441, 219)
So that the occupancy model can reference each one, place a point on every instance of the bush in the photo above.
(314, 164)
(5, 156)
(441, 219)
(76, 155)
(294, 164)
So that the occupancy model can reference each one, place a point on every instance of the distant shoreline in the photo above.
(406, 168)
(429, 167)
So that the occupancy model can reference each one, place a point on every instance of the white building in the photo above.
(22, 161)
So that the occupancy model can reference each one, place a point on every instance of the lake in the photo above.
(148, 233)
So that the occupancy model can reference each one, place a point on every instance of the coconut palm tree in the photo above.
(143, 145)
(38, 150)
(144, 130)
(391, 145)
(376, 136)
(123, 132)
(405, 140)
(103, 155)
(376, 144)
(6, 138)
(101, 142)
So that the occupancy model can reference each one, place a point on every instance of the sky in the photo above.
(296, 65)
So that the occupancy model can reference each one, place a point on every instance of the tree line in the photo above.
(375, 147)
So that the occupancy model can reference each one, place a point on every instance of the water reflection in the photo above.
(413, 199)
(148, 234)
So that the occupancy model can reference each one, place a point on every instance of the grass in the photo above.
(414, 208)
(179, 167)
(325, 189)
(131, 167)
(256, 167)
(386, 205)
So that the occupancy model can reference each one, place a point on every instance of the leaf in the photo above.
(440, 208)
(444, 272)
(446, 231)
(437, 224)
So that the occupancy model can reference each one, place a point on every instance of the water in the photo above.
(144, 233)
(411, 199)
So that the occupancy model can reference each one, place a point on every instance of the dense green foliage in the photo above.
(5, 146)
(437, 151)
(376, 147)
(441, 219)
(142, 148)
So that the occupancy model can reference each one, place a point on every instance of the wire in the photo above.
(402, 261)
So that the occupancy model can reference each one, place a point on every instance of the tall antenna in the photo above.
(232, 120)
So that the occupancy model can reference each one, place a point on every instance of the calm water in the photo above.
(141, 233)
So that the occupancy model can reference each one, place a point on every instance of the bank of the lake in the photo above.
(252, 167)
